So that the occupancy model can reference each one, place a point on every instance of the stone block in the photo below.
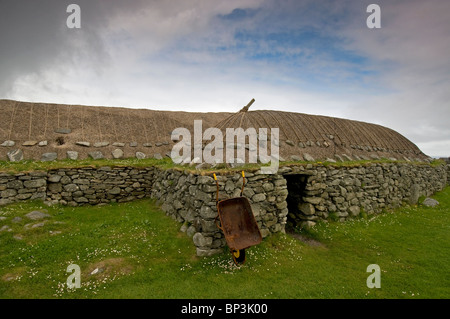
(15, 155)
(202, 241)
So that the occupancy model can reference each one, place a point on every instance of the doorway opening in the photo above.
(296, 184)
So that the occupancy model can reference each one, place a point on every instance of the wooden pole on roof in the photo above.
(245, 108)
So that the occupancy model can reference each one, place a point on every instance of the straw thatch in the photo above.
(319, 136)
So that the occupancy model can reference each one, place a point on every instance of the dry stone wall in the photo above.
(340, 193)
(191, 199)
(299, 195)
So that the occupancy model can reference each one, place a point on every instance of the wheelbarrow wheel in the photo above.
(238, 256)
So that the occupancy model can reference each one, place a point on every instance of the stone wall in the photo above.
(448, 174)
(344, 192)
(191, 199)
(95, 186)
(22, 186)
(297, 195)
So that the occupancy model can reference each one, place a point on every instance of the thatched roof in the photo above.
(319, 136)
(325, 137)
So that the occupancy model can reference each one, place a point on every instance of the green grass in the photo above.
(144, 255)
(167, 163)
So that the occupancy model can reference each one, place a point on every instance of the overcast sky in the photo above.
(311, 56)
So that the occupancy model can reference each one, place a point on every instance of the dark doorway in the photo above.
(296, 185)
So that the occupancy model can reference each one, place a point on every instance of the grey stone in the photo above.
(206, 180)
(264, 232)
(5, 201)
(36, 215)
(8, 143)
(133, 144)
(16, 219)
(48, 157)
(157, 156)
(354, 210)
(71, 188)
(15, 155)
(207, 213)
(190, 231)
(208, 225)
(55, 188)
(268, 187)
(24, 196)
(308, 157)
(101, 144)
(313, 200)
(307, 224)
(147, 144)
(36, 183)
(81, 200)
(37, 225)
(114, 191)
(96, 155)
(72, 155)
(117, 153)
(117, 144)
(201, 241)
(289, 142)
(85, 144)
(29, 143)
(296, 158)
(306, 208)
(205, 197)
(43, 143)
(229, 185)
(415, 194)
(258, 198)
(16, 184)
(301, 145)
(430, 202)
(183, 228)
(203, 165)
(66, 180)
(140, 155)
(5, 228)
(346, 157)
(158, 144)
(8, 193)
(63, 131)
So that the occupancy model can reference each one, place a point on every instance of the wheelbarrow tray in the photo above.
(238, 223)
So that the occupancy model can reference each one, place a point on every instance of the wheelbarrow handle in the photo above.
(243, 183)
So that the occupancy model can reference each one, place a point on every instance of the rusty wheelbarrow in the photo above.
(237, 223)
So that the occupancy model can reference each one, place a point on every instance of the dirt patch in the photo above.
(304, 239)
(12, 276)
(107, 268)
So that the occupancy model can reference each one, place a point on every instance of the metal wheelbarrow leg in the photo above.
(237, 223)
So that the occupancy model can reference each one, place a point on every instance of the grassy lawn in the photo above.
(133, 250)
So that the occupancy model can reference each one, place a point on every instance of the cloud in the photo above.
(302, 56)
(411, 51)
